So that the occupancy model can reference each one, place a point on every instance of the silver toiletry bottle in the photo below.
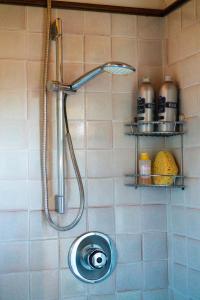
(168, 105)
(145, 106)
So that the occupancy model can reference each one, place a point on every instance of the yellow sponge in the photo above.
(164, 164)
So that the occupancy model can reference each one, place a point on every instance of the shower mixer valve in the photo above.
(92, 257)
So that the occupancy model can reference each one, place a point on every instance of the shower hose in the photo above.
(44, 141)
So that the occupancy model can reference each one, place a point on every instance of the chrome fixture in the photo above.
(54, 33)
(117, 68)
(92, 257)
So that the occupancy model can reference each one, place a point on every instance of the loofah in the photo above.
(164, 164)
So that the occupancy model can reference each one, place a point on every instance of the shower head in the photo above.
(117, 68)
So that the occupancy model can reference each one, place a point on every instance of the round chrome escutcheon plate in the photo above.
(92, 257)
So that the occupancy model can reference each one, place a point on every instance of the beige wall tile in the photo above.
(13, 104)
(12, 17)
(123, 106)
(72, 20)
(14, 165)
(189, 43)
(198, 9)
(123, 162)
(98, 106)
(188, 13)
(100, 191)
(99, 135)
(190, 100)
(192, 137)
(191, 166)
(150, 53)
(35, 19)
(124, 25)
(97, 49)
(34, 75)
(189, 71)
(101, 219)
(165, 27)
(99, 163)
(44, 283)
(174, 23)
(13, 45)
(174, 49)
(97, 23)
(33, 109)
(73, 48)
(150, 27)
(35, 46)
(12, 74)
(124, 50)
(164, 52)
(14, 134)
(120, 139)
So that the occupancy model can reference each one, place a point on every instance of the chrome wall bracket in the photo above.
(92, 257)
(56, 86)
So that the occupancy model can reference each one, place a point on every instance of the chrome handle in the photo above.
(97, 259)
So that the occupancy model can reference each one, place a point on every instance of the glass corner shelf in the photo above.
(134, 128)
(177, 181)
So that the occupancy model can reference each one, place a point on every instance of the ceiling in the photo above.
(154, 4)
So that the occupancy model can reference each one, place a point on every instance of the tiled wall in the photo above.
(183, 56)
(33, 256)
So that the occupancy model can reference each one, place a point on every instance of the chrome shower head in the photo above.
(117, 68)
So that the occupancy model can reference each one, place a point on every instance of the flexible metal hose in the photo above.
(44, 141)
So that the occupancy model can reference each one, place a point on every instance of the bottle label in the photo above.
(140, 105)
(150, 105)
(171, 105)
(145, 170)
(163, 104)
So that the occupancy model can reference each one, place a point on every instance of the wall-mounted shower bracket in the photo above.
(56, 86)
(56, 29)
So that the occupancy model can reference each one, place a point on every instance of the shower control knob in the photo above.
(97, 259)
(92, 257)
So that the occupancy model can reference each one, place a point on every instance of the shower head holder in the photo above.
(56, 86)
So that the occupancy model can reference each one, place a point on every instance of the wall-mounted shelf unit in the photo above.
(133, 129)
